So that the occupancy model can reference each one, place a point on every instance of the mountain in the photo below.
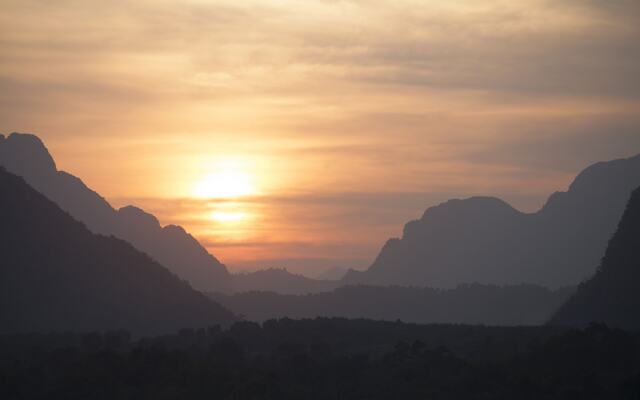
(612, 295)
(467, 304)
(485, 240)
(333, 274)
(280, 281)
(25, 155)
(56, 275)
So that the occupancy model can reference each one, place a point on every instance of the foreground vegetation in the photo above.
(326, 359)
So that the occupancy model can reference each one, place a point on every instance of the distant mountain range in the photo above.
(56, 275)
(333, 274)
(612, 295)
(467, 304)
(280, 280)
(60, 274)
(485, 240)
(480, 239)
(25, 155)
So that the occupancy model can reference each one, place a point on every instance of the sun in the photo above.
(222, 184)
(227, 216)
(228, 182)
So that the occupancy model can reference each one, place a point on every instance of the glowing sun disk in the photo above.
(227, 183)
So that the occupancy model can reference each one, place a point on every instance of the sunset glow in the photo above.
(227, 183)
(227, 216)
(329, 123)
(320, 199)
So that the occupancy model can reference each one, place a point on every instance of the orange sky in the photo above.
(330, 123)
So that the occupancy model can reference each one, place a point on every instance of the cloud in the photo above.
(357, 114)
(569, 146)
(559, 48)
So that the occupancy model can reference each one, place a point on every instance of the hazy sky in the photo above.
(328, 123)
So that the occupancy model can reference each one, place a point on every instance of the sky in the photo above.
(303, 134)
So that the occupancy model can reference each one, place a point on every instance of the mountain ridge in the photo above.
(612, 294)
(484, 239)
(57, 275)
(280, 280)
(516, 305)
(27, 156)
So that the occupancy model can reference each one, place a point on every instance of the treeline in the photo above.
(466, 304)
(326, 358)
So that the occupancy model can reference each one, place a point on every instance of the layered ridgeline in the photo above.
(485, 240)
(56, 275)
(25, 155)
(279, 280)
(612, 295)
(515, 305)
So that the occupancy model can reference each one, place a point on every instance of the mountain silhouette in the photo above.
(333, 274)
(56, 275)
(280, 280)
(485, 240)
(466, 304)
(612, 295)
(25, 155)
